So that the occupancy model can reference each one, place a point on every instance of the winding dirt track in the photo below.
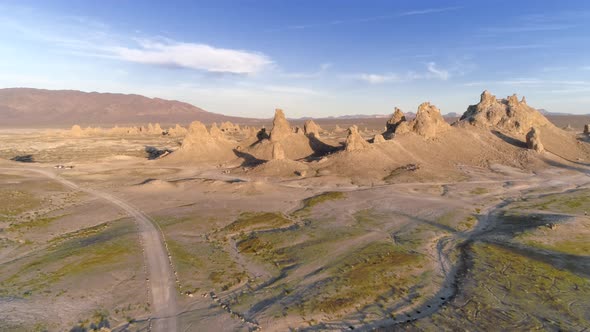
(161, 280)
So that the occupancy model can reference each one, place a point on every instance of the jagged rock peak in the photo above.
(354, 140)
(504, 114)
(280, 127)
(397, 118)
(311, 128)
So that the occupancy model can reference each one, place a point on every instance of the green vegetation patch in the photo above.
(574, 245)
(577, 201)
(479, 191)
(253, 221)
(504, 290)
(310, 202)
(74, 257)
(378, 268)
(15, 202)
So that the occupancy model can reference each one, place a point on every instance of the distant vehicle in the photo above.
(63, 167)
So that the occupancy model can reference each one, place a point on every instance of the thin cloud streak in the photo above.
(432, 72)
(369, 19)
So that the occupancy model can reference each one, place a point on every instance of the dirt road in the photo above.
(161, 280)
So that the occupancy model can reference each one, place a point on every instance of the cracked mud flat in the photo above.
(139, 246)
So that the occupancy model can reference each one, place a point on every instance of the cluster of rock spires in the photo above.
(286, 143)
(506, 114)
(150, 129)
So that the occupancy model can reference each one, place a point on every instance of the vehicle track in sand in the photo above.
(161, 280)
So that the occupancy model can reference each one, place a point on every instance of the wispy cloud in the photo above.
(426, 11)
(429, 11)
(84, 37)
(432, 72)
(192, 56)
(439, 73)
(377, 78)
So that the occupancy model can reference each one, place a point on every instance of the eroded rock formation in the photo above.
(428, 122)
(354, 140)
(312, 128)
(533, 140)
(280, 127)
(505, 114)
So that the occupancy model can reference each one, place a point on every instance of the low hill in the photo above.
(24, 107)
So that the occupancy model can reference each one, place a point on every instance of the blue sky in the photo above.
(311, 58)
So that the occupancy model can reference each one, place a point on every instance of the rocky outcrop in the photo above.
(216, 132)
(428, 122)
(378, 139)
(157, 129)
(533, 140)
(397, 118)
(507, 114)
(312, 128)
(76, 131)
(338, 130)
(177, 131)
(587, 129)
(280, 127)
(298, 131)
(354, 140)
(277, 151)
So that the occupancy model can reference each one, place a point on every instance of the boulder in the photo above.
(533, 140)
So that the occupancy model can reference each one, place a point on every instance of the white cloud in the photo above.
(377, 78)
(438, 73)
(193, 56)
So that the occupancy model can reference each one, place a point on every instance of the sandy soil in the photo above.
(223, 246)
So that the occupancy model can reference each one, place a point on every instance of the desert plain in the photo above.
(411, 223)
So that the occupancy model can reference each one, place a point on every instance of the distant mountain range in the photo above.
(23, 107)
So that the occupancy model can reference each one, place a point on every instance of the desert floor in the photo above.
(128, 243)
